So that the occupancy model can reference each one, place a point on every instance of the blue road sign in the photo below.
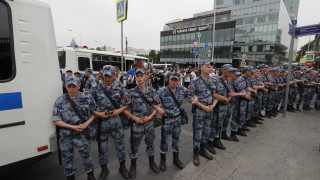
(307, 30)
(291, 30)
(206, 46)
(195, 52)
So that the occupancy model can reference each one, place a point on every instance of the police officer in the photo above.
(272, 92)
(171, 119)
(200, 94)
(298, 90)
(264, 75)
(144, 106)
(235, 74)
(239, 113)
(258, 86)
(111, 99)
(90, 82)
(307, 84)
(220, 112)
(72, 132)
(317, 81)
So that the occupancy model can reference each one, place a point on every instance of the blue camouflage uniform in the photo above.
(90, 84)
(240, 111)
(201, 119)
(317, 80)
(220, 111)
(272, 93)
(68, 138)
(111, 125)
(306, 90)
(265, 95)
(172, 120)
(259, 103)
(140, 109)
(231, 88)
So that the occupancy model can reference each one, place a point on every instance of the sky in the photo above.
(94, 21)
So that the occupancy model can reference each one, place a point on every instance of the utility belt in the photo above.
(172, 117)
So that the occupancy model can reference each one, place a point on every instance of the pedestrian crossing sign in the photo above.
(242, 64)
(122, 6)
(309, 57)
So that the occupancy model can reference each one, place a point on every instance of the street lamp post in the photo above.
(213, 28)
(76, 33)
(199, 36)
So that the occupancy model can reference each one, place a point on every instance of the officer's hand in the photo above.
(102, 115)
(195, 100)
(207, 108)
(227, 101)
(265, 90)
(161, 111)
(83, 126)
(231, 93)
(146, 119)
(138, 120)
(255, 91)
(76, 128)
(115, 113)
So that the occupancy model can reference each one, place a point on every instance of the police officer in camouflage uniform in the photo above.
(171, 119)
(91, 81)
(272, 93)
(264, 71)
(144, 106)
(200, 94)
(307, 84)
(108, 110)
(317, 81)
(239, 113)
(72, 132)
(220, 112)
(258, 86)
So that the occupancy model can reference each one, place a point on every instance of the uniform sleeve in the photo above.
(185, 92)
(156, 98)
(214, 85)
(56, 115)
(92, 103)
(240, 85)
(125, 99)
(191, 91)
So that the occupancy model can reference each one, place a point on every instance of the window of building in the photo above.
(260, 48)
(7, 59)
(83, 63)
(261, 19)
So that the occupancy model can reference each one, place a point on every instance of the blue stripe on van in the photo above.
(9, 101)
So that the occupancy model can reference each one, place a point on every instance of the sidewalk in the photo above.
(285, 149)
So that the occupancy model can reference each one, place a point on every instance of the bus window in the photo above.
(7, 59)
(83, 63)
(62, 59)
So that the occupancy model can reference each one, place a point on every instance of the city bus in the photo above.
(78, 59)
(30, 82)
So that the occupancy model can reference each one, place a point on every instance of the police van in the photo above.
(29, 81)
(78, 59)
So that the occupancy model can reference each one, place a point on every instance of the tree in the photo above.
(98, 49)
(152, 55)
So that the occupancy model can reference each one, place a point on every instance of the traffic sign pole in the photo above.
(289, 73)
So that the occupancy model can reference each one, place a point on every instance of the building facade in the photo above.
(252, 30)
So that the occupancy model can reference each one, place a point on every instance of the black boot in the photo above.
(196, 160)
(203, 152)
(104, 172)
(225, 136)
(241, 132)
(316, 107)
(250, 124)
(305, 108)
(267, 114)
(259, 118)
(71, 177)
(290, 109)
(309, 107)
(210, 148)
(281, 109)
(176, 160)
(133, 169)
(293, 108)
(257, 121)
(298, 107)
(123, 170)
(233, 136)
(163, 166)
(91, 176)
(245, 128)
(153, 165)
(260, 114)
(218, 144)
(272, 114)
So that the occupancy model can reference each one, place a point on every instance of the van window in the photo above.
(7, 59)
(62, 59)
(83, 63)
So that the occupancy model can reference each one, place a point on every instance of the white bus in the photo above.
(29, 81)
(78, 59)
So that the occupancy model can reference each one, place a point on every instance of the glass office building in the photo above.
(254, 30)
(292, 8)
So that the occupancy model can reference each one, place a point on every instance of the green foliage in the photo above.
(303, 50)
